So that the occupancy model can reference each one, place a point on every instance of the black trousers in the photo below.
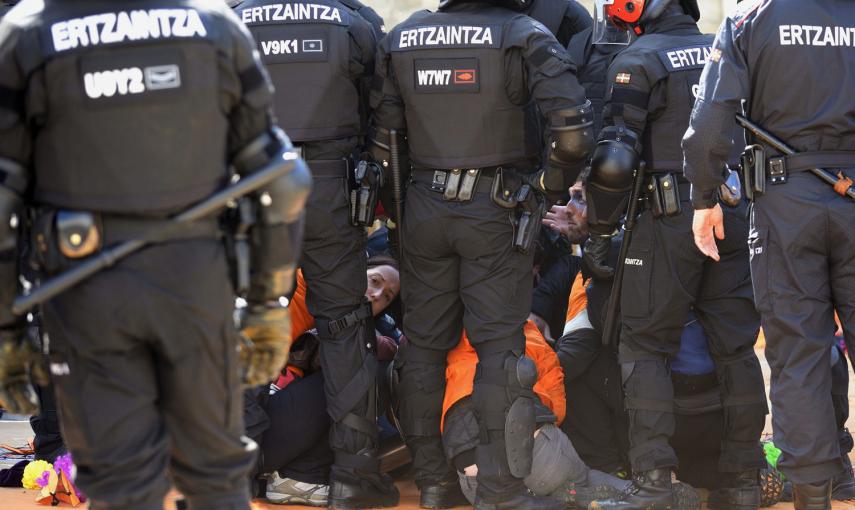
(296, 444)
(803, 269)
(459, 270)
(146, 374)
(334, 265)
(665, 276)
(596, 422)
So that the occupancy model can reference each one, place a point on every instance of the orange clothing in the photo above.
(460, 372)
(578, 298)
(301, 319)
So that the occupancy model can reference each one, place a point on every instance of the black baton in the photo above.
(397, 196)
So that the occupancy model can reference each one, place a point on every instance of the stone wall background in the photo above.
(712, 11)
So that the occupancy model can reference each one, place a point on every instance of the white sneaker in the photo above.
(286, 491)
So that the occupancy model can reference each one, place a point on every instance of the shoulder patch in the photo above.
(686, 58)
(623, 78)
(744, 10)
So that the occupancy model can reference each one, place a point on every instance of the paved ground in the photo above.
(18, 432)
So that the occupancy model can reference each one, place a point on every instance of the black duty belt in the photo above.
(328, 167)
(778, 167)
(438, 179)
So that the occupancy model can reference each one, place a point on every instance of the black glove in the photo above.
(596, 256)
(539, 181)
(20, 365)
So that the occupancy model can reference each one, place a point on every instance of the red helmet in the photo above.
(631, 13)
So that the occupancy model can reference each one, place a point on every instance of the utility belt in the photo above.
(665, 192)
(61, 238)
(759, 167)
(505, 187)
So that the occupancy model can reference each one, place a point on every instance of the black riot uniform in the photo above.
(459, 81)
(802, 240)
(648, 104)
(564, 18)
(114, 116)
(320, 55)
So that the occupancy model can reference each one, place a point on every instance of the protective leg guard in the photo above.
(350, 369)
(503, 383)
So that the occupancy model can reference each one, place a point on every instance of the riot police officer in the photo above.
(802, 240)
(115, 116)
(459, 81)
(651, 85)
(320, 56)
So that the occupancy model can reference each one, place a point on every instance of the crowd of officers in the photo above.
(465, 123)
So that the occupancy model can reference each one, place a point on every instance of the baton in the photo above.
(109, 257)
(397, 196)
(782, 147)
(610, 327)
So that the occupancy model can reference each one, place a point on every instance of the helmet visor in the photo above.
(606, 32)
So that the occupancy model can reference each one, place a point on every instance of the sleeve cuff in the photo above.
(704, 199)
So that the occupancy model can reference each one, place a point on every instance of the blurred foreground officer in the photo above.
(320, 55)
(648, 105)
(459, 81)
(802, 241)
(113, 117)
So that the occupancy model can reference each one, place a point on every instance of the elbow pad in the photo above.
(379, 145)
(613, 168)
(277, 236)
(11, 208)
(572, 137)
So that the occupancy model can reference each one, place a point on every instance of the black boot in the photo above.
(443, 495)
(578, 497)
(739, 492)
(651, 490)
(375, 491)
(523, 501)
(812, 496)
(843, 485)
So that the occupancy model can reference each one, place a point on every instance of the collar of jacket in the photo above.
(682, 24)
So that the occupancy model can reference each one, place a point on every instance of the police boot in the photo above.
(522, 501)
(740, 492)
(442, 495)
(376, 491)
(812, 496)
(651, 490)
(843, 485)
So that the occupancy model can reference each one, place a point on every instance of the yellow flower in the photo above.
(33, 471)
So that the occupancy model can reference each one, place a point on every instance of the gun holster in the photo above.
(530, 210)
(238, 224)
(663, 195)
(367, 182)
(754, 171)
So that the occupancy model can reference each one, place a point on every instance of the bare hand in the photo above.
(559, 219)
(707, 226)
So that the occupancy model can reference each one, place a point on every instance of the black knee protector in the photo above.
(608, 187)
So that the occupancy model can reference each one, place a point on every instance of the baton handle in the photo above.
(785, 149)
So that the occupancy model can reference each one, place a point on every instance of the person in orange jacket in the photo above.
(556, 471)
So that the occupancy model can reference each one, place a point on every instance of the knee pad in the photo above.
(520, 420)
(419, 389)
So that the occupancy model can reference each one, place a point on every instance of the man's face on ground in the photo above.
(577, 214)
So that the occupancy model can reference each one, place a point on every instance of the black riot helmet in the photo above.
(517, 5)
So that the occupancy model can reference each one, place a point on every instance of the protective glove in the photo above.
(266, 332)
(20, 365)
(540, 180)
(596, 256)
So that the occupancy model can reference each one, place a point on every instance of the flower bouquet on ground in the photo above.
(54, 481)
